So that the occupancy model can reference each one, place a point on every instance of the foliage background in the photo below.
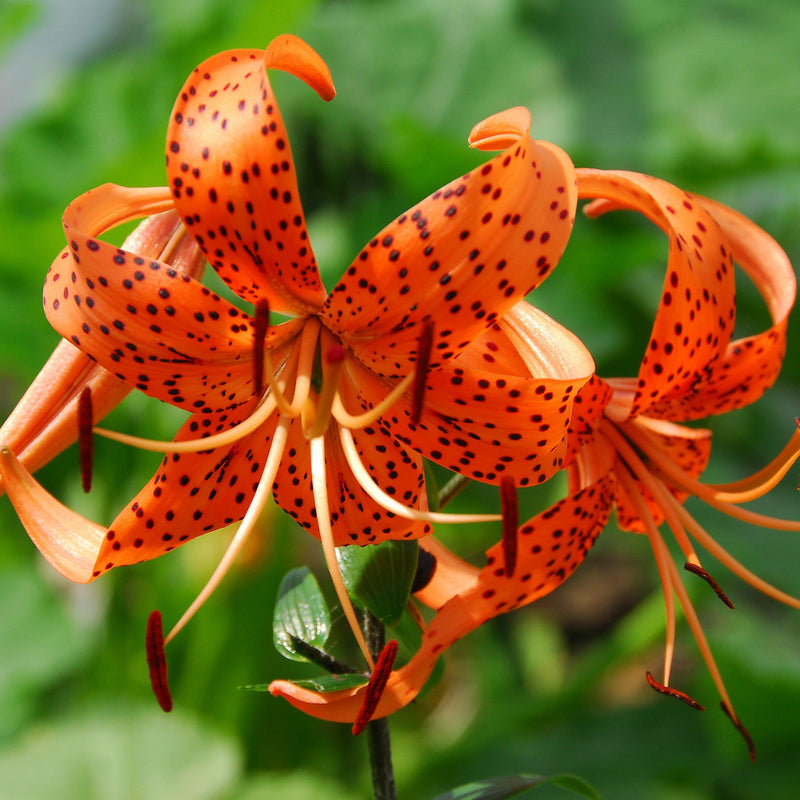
(704, 95)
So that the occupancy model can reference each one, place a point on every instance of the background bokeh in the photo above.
(706, 95)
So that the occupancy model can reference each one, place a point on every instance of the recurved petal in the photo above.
(233, 179)
(152, 326)
(462, 257)
(696, 313)
(190, 493)
(67, 540)
(552, 545)
(45, 420)
(749, 366)
(486, 423)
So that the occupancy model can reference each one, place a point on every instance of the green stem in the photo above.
(451, 489)
(378, 736)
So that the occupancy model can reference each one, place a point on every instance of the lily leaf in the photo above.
(513, 785)
(380, 576)
(300, 613)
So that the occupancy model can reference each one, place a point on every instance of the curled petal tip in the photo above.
(501, 130)
(291, 54)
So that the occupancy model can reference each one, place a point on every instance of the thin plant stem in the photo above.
(378, 736)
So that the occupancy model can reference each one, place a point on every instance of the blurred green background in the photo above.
(705, 95)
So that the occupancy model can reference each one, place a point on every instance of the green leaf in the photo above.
(15, 18)
(512, 785)
(121, 753)
(323, 683)
(300, 612)
(379, 576)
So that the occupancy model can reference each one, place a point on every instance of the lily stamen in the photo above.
(510, 508)
(737, 723)
(670, 692)
(245, 527)
(85, 439)
(260, 327)
(157, 661)
(359, 421)
(387, 501)
(319, 415)
(377, 683)
(695, 569)
(320, 490)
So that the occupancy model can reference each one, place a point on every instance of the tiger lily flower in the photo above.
(335, 432)
(630, 452)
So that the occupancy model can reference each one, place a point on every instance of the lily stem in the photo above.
(451, 489)
(378, 736)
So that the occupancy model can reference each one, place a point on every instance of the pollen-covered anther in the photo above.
(85, 437)
(670, 692)
(377, 683)
(737, 723)
(510, 510)
(696, 569)
(260, 327)
(424, 345)
(157, 661)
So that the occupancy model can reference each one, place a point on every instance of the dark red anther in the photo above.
(510, 511)
(670, 692)
(85, 437)
(157, 660)
(696, 569)
(424, 346)
(260, 327)
(737, 723)
(377, 683)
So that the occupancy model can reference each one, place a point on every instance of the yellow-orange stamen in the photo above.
(320, 489)
(85, 439)
(157, 660)
(510, 509)
(377, 683)
(424, 345)
(387, 501)
(359, 421)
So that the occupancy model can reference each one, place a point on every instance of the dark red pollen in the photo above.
(698, 570)
(157, 661)
(424, 345)
(260, 327)
(377, 683)
(670, 692)
(510, 510)
(737, 723)
(335, 354)
(85, 437)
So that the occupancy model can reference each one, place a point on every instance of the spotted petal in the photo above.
(696, 314)
(486, 423)
(749, 366)
(231, 173)
(463, 256)
(152, 326)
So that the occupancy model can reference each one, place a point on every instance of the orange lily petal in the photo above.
(486, 424)
(190, 493)
(232, 176)
(750, 365)
(552, 545)
(696, 314)
(67, 540)
(462, 257)
(45, 421)
(149, 324)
